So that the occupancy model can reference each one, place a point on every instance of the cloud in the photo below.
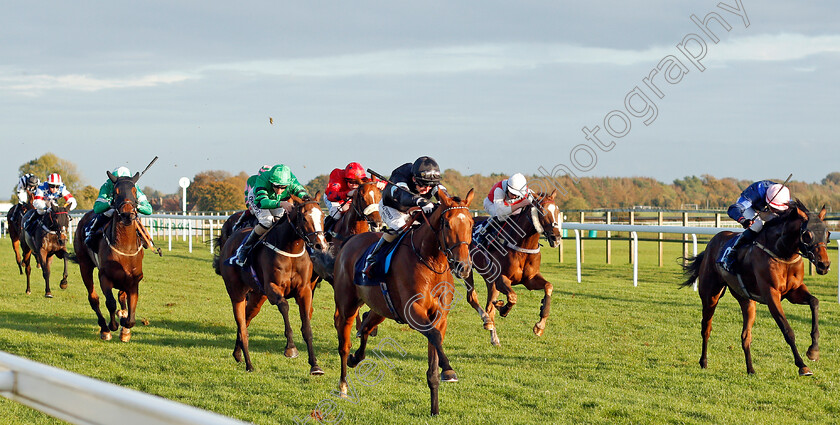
(446, 60)
(37, 84)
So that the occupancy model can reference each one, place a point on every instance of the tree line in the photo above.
(218, 190)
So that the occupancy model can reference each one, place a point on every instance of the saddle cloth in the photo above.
(380, 268)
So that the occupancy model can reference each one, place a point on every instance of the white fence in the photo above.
(693, 231)
(81, 400)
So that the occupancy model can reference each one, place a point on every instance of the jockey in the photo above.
(507, 198)
(27, 183)
(246, 215)
(47, 193)
(341, 187)
(271, 191)
(104, 205)
(411, 185)
(758, 196)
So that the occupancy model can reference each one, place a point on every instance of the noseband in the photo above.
(298, 225)
(366, 212)
(807, 249)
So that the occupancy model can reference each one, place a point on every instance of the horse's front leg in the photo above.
(775, 306)
(304, 303)
(748, 313)
(127, 320)
(290, 351)
(45, 260)
(800, 295)
(538, 282)
(63, 283)
(18, 259)
(26, 260)
(107, 288)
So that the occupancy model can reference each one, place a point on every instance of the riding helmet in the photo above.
(425, 170)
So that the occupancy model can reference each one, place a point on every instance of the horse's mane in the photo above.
(789, 214)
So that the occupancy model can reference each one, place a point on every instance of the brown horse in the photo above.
(768, 271)
(15, 220)
(514, 259)
(119, 258)
(50, 238)
(420, 286)
(282, 269)
(363, 215)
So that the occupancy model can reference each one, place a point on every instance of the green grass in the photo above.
(612, 353)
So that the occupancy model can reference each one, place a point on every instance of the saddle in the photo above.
(380, 268)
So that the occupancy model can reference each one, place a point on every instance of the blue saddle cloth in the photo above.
(380, 268)
(729, 244)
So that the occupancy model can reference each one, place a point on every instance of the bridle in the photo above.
(448, 250)
(537, 209)
(368, 210)
(807, 243)
(297, 225)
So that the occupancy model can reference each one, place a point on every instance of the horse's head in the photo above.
(308, 221)
(57, 221)
(125, 197)
(455, 232)
(366, 204)
(813, 237)
(545, 217)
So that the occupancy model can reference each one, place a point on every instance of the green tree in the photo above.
(86, 196)
(316, 184)
(49, 163)
(215, 190)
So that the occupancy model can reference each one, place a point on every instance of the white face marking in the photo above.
(553, 210)
(315, 214)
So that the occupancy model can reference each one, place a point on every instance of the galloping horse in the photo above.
(768, 271)
(515, 259)
(363, 216)
(15, 219)
(280, 268)
(50, 239)
(420, 286)
(119, 258)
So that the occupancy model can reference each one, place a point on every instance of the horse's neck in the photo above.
(525, 234)
(426, 241)
(123, 235)
(783, 239)
(286, 236)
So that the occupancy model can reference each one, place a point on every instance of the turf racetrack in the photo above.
(611, 353)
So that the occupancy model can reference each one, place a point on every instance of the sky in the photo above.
(481, 86)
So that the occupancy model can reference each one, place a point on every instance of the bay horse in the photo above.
(15, 220)
(767, 272)
(419, 283)
(119, 258)
(280, 268)
(514, 259)
(50, 238)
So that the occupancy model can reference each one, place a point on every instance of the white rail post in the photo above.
(190, 233)
(170, 234)
(636, 256)
(694, 241)
(211, 235)
(577, 252)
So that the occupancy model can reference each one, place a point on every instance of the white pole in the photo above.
(694, 240)
(211, 235)
(170, 234)
(635, 256)
(577, 252)
(184, 201)
(189, 231)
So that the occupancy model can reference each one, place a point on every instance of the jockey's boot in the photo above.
(370, 261)
(744, 239)
(241, 256)
(95, 224)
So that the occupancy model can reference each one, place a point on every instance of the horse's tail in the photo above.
(72, 257)
(691, 268)
(217, 252)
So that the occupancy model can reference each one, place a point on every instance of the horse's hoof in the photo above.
(249, 368)
(351, 361)
(498, 303)
(125, 334)
(538, 331)
(374, 331)
(237, 356)
(48, 295)
(804, 371)
(291, 353)
(122, 314)
(105, 336)
(315, 370)
(449, 376)
(62, 285)
(813, 355)
(28, 292)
